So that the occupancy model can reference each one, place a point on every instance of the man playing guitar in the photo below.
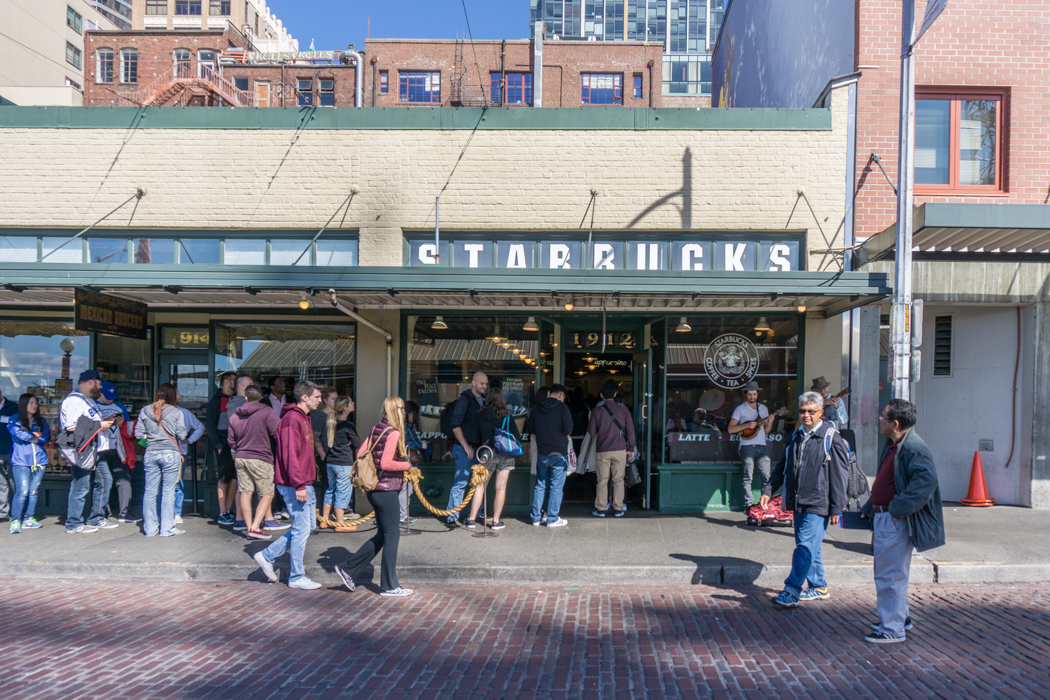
(834, 407)
(749, 416)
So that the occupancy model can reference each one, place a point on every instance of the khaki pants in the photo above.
(610, 464)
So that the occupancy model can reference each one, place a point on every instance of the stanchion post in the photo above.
(484, 460)
(407, 531)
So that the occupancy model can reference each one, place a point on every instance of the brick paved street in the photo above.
(141, 639)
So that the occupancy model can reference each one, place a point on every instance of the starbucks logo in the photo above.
(731, 361)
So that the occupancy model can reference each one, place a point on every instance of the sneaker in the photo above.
(452, 520)
(266, 565)
(282, 515)
(240, 526)
(105, 525)
(398, 592)
(355, 516)
(786, 600)
(560, 522)
(175, 533)
(257, 534)
(470, 524)
(32, 524)
(598, 513)
(128, 519)
(882, 638)
(620, 513)
(347, 580)
(497, 525)
(81, 530)
(814, 594)
(16, 527)
(304, 584)
(273, 526)
(178, 520)
(226, 519)
(874, 625)
(535, 523)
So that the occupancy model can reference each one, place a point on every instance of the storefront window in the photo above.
(442, 360)
(126, 363)
(709, 359)
(322, 354)
(107, 250)
(199, 251)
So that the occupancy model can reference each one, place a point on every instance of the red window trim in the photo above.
(956, 94)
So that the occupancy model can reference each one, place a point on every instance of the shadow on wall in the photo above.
(686, 193)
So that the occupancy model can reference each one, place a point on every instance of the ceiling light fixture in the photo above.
(800, 305)
(569, 305)
(439, 324)
(683, 326)
(530, 325)
(762, 325)
(304, 301)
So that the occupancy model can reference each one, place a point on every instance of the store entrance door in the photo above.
(188, 371)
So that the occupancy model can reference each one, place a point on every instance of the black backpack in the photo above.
(446, 421)
(857, 488)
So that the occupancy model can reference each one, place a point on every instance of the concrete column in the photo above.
(1040, 464)
(863, 404)
(371, 364)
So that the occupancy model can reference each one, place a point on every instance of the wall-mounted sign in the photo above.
(277, 56)
(684, 253)
(731, 361)
(101, 313)
(613, 340)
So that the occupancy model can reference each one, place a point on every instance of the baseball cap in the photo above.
(109, 391)
(89, 374)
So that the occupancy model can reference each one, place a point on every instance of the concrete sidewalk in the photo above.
(990, 545)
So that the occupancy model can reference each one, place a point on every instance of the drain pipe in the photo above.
(334, 300)
(356, 58)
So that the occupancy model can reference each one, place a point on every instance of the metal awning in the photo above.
(217, 287)
(970, 232)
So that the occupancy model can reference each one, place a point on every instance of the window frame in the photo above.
(125, 61)
(98, 65)
(304, 98)
(323, 93)
(638, 89)
(74, 20)
(221, 5)
(384, 82)
(156, 8)
(955, 96)
(404, 80)
(585, 90)
(260, 99)
(189, 5)
(76, 59)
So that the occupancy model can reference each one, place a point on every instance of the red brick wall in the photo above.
(470, 66)
(972, 44)
(283, 83)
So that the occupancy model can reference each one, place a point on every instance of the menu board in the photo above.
(427, 391)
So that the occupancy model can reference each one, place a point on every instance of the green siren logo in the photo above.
(731, 361)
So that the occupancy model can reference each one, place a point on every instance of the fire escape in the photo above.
(467, 88)
(192, 85)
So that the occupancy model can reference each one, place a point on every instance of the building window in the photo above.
(181, 58)
(942, 346)
(602, 89)
(326, 92)
(687, 75)
(637, 86)
(156, 7)
(129, 65)
(384, 81)
(188, 7)
(220, 8)
(518, 88)
(73, 55)
(262, 94)
(241, 84)
(957, 141)
(104, 66)
(74, 21)
(73, 83)
(304, 88)
(419, 86)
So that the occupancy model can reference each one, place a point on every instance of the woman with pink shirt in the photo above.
(387, 442)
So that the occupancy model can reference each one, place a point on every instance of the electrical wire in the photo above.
(481, 83)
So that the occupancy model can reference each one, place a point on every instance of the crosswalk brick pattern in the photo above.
(106, 639)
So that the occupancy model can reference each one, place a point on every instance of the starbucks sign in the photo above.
(731, 361)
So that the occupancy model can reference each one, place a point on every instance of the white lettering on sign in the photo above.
(428, 254)
(648, 256)
(690, 251)
(516, 256)
(734, 257)
(777, 261)
(472, 253)
(604, 254)
(560, 256)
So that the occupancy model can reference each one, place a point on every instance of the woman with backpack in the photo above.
(340, 443)
(29, 433)
(161, 424)
(494, 417)
(386, 442)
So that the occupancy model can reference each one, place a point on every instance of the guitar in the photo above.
(845, 392)
(748, 433)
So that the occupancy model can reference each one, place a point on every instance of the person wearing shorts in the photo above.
(493, 415)
(251, 428)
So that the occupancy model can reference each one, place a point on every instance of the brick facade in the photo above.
(969, 46)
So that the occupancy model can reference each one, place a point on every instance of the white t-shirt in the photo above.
(745, 414)
(73, 407)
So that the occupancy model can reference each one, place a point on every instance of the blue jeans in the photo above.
(162, 471)
(461, 478)
(79, 485)
(180, 496)
(100, 495)
(338, 492)
(304, 520)
(549, 468)
(806, 563)
(750, 456)
(27, 483)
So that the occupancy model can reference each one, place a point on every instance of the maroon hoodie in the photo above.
(252, 426)
(295, 449)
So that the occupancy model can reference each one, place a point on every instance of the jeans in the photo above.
(549, 468)
(750, 455)
(180, 496)
(806, 563)
(461, 478)
(892, 569)
(387, 537)
(100, 495)
(27, 482)
(121, 478)
(7, 485)
(162, 471)
(293, 541)
(79, 485)
(338, 492)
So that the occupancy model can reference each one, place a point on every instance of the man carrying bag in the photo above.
(612, 428)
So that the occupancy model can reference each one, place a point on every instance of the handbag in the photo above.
(572, 457)
(505, 442)
(632, 478)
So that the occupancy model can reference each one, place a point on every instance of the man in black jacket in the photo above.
(467, 439)
(814, 471)
(550, 425)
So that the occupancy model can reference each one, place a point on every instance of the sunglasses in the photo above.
(809, 413)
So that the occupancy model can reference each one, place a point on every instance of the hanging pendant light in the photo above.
(495, 337)
(530, 325)
(800, 305)
(439, 324)
(569, 304)
(762, 326)
(683, 326)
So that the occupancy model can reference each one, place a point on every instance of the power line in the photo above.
(30, 48)
(481, 83)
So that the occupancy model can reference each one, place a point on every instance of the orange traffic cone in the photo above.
(978, 495)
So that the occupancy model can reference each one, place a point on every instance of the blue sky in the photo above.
(333, 24)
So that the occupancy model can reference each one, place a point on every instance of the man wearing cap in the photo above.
(747, 416)
(834, 407)
(111, 455)
(81, 403)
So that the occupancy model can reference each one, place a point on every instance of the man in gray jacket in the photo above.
(906, 504)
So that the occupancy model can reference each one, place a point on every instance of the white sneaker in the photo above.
(398, 592)
(560, 522)
(105, 525)
(304, 584)
(266, 565)
(178, 520)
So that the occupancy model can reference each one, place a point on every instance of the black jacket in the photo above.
(551, 423)
(347, 443)
(464, 416)
(488, 422)
(814, 481)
